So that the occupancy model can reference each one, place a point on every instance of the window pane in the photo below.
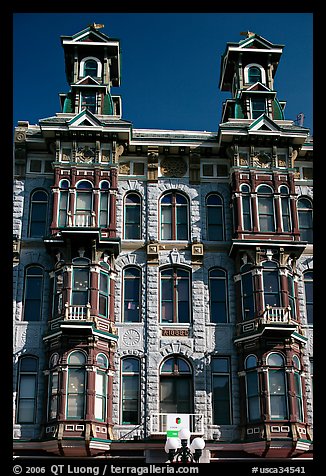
(130, 365)
(220, 364)
(221, 404)
(27, 386)
(75, 406)
(28, 364)
(26, 411)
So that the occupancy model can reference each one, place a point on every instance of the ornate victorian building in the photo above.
(163, 273)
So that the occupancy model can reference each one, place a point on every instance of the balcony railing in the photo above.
(159, 423)
(81, 220)
(276, 315)
(77, 313)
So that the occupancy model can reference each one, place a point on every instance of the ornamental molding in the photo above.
(173, 167)
(131, 337)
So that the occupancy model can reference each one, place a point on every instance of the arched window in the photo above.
(246, 207)
(63, 203)
(221, 391)
(298, 387)
(271, 284)
(308, 287)
(101, 387)
(305, 219)
(26, 392)
(215, 220)
(38, 214)
(285, 208)
(247, 293)
(174, 216)
(84, 204)
(218, 295)
(90, 68)
(76, 387)
(33, 293)
(254, 74)
(175, 295)
(252, 389)
(277, 388)
(132, 216)
(176, 393)
(266, 214)
(130, 391)
(131, 294)
(104, 220)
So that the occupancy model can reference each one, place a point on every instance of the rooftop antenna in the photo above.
(299, 119)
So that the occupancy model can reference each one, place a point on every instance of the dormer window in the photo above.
(88, 100)
(90, 66)
(258, 107)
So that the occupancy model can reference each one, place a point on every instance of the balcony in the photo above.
(276, 315)
(77, 313)
(81, 220)
(159, 422)
(271, 322)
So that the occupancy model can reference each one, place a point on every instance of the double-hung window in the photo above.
(131, 294)
(27, 384)
(76, 385)
(277, 387)
(130, 390)
(38, 214)
(33, 293)
(221, 391)
(132, 216)
(252, 389)
(175, 295)
(266, 215)
(215, 221)
(174, 216)
(218, 295)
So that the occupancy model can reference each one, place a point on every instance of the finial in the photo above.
(97, 26)
(248, 34)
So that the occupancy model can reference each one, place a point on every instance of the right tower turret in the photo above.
(267, 245)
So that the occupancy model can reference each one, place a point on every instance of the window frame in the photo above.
(127, 207)
(308, 303)
(31, 373)
(177, 379)
(270, 214)
(174, 281)
(217, 374)
(173, 206)
(79, 395)
(129, 374)
(280, 370)
(212, 300)
(133, 302)
(40, 290)
(305, 231)
(44, 219)
(252, 396)
(219, 208)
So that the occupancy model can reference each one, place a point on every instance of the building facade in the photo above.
(160, 273)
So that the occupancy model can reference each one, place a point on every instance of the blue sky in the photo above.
(170, 63)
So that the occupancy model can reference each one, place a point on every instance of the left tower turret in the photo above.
(64, 253)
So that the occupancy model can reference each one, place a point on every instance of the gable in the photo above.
(263, 123)
(258, 87)
(84, 119)
(87, 80)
